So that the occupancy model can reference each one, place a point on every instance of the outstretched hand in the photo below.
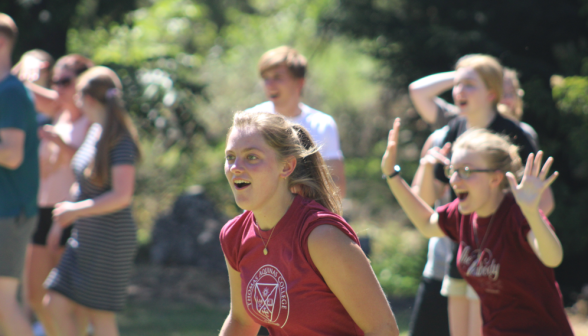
(389, 159)
(534, 182)
(437, 155)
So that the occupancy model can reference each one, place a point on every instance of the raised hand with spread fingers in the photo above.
(542, 238)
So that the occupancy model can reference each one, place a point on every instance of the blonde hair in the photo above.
(513, 76)
(102, 84)
(488, 68)
(311, 175)
(295, 62)
(499, 153)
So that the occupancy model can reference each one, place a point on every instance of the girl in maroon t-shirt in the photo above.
(507, 246)
(295, 266)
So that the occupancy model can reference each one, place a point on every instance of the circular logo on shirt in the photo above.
(267, 296)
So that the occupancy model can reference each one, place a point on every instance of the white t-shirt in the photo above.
(321, 126)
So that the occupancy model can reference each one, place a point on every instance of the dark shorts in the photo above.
(429, 315)
(44, 225)
(453, 271)
(15, 233)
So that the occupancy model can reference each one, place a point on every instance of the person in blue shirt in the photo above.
(19, 181)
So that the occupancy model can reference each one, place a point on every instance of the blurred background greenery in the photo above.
(188, 65)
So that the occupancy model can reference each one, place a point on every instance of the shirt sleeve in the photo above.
(450, 219)
(230, 243)
(13, 105)
(124, 152)
(445, 113)
(330, 144)
(324, 219)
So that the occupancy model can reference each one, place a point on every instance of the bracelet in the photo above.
(396, 172)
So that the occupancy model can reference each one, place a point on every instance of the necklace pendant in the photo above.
(265, 251)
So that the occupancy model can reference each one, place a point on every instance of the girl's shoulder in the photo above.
(231, 237)
(234, 227)
(315, 215)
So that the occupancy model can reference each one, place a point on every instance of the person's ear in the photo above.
(301, 82)
(491, 95)
(496, 178)
(288, 167)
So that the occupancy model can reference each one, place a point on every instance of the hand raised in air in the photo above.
(534, 182)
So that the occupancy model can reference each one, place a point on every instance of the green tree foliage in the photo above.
(44, 24)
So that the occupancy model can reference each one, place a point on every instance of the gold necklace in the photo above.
(265, 251)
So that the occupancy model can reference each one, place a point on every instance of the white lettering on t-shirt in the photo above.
(266, 296)
(479, 264)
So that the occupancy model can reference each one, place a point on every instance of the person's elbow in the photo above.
(124, 198)
(553, 260)
(14, 161)
(414, 91)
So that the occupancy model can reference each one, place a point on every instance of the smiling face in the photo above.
(470, 94)
(281, 87)
(474, 193)
(256, 175)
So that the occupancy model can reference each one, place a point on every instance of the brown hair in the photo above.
(75, 63)
(8, 28)
(102, 84)
(311, 175)
(499, 153)
(512, 76)
(295, 62)
(488, 68)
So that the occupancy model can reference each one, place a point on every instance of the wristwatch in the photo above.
(396, 172)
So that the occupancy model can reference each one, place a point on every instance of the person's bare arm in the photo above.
(418, 211)
(337, 168)
(119, 197)
(541, 237)
(348, 273)
(424, 183)
(424, 91)
(238, 322)
(11, 147)
(547, 202)
(45, 99)
(47, 132)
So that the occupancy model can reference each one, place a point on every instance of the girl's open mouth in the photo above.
(462, 196)
(241, 184)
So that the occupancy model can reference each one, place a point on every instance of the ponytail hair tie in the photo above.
(112, 93)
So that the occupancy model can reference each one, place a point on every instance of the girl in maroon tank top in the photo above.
(507, 247)
(295, 266)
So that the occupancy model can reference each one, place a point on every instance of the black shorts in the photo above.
(429, 315)
(453, 270)
(43, 227)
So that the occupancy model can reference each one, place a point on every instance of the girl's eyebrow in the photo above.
(248, 149)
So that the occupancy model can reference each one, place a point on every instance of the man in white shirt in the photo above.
(283, 71)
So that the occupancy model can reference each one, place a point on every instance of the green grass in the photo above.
(170, 319)
(162, 318)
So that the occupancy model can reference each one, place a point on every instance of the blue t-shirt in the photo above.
(18, 187)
